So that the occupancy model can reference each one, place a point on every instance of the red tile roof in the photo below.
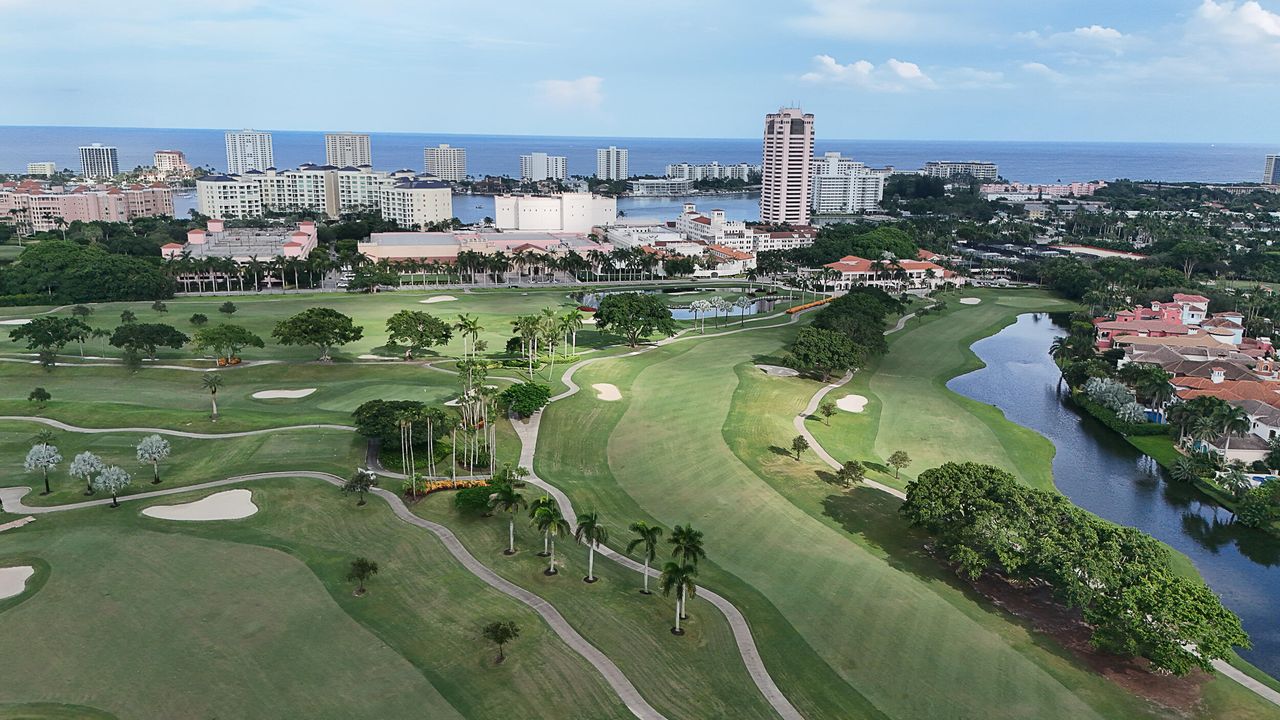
(1180, 297)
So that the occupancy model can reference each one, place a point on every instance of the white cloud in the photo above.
(1042, 71)
(1246, 22)
(584, 93)
(1088, 39)
(892, 76)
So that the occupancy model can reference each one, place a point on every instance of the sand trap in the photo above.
(226, 505)
(606, 392)
(970, 301)
(289, 394)
(438, 298)
(852, 403)
(24, 321)
(589, 321)
(454, 402)
(778, 371)
(13, 580)
(375, 357)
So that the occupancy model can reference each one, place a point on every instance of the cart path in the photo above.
(162, 431)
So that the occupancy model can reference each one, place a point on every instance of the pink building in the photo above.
(36, 207)
(245, 244)
(1077, 189)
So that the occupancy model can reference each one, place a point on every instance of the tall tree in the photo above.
(226, 340)
(323, 328)
(552, 524)
(211, 381)
(899, 459)
(824, 352)
(539, 503)
(677, 578)
(646, 537)
(508, 500)
(590, 532)
(634, 315)
(151, 451)
(416, 331)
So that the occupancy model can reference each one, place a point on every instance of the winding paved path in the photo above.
(162, 431)
(11, 501)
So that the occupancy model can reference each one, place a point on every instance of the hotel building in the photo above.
(347, 150)
(99, 161)
(611, 163)
(445, 162)
(248, 150)
(786, 177)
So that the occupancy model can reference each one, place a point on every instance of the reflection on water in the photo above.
(680, 309)
(1104, 474)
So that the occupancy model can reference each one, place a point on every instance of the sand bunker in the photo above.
(778, 371)
(289, 394)
(589, 321)
(23, 321)
(438, 298)
(226, 505)
(606, 392)
(13, 580)
(454, 402)
(970, 301)
(852, 403)
(374, 357)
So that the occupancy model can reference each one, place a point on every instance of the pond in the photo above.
(680, 298)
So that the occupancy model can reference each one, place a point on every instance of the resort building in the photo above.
(712, 171)
(347, 150)
(946, 169)
(539, 166)
(1020, 192)
(444, 247)
(842, 186)
(248, 150)
(716, 229)
(786, 180)
(42, 169)
(98, 162)
(417, 203)
(852, 271)
(611, 163)
(34, 207)
(659, 187)
(445, 162)
(244, 245)
(171, 162)
(319, 188)
(566, 212)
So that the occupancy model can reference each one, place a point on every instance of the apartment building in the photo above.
(416, 203)
(445, 162)
(1271, 170)
(976, 169)
(99, 162)
(347, 150)
(659, 187)
(611, 163)
(712, 171)
(786, 182)
(42, 169)
(319, 188)
(171, 163)
(36, 207)
(842, 186)
(248, 150)
(538, 166)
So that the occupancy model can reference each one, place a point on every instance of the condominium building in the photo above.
(611, 163)
(659, 186)
(842, 185)
(43, 169)
(541, 166)
(715, 229)
(171, 162)
(35, 207)
(445, 162)
(567, 212)
(1271, 170)
(319, 188)
(248, 150)
(786, 173)
(712, 171)
(99, 161)
(347, 150)
(978, 170)
(416, 203)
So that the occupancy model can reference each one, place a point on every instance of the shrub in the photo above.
(1108, 417)
(525, 398)
(474, 500)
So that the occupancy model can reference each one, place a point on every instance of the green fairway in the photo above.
(241, 629)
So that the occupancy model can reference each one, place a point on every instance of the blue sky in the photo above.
(1173, 70)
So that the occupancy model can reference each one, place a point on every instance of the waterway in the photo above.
(1104, 474)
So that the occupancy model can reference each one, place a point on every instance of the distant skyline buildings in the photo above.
(1271, 170)
(540, 166)
(43, 169)
(99, 161)
(611, 163)
(347, 150)
(248, 150)
(786, 179)
(445, 162)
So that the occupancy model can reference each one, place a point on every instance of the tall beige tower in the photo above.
(787, 176)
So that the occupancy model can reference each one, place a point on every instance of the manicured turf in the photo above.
(146, 618)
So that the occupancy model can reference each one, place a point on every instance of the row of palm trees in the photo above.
(213, 274)
(549, 330)
(1205, 419)
(678, 575)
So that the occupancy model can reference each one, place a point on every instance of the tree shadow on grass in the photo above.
(785, 452)
(828, 477)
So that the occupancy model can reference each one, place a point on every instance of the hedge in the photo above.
(1107, 417)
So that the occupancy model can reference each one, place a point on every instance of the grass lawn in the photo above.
(254, 618)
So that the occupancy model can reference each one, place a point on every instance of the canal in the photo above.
(1104, 474)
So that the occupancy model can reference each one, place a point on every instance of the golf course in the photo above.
(815, 599)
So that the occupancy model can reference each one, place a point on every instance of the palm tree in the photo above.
(1235, 482)
(573, 322)
(469, 327)
(542, 502)
(1185, 470)
(646, 535)
(509, 501)
(677, 578)
(1232, 420)
(742, 304)
(549, 520)
(686, 544)
(591, 532)
(211, 382)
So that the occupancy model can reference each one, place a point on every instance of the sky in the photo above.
(1105, 70)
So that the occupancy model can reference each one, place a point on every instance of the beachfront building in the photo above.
(715, 229)
(712, 171)
(35, 207)
(786, 181)
(566, 212)
(976, 169)
(99, 162)
(611, 163)
(893, 275)
(842, 186)
(347, 150)
(657, 187)
(248, 150)
(171, 163)
(1271, 170)
(42, 169)
(318, 188)
(417, 202)
(445, 162)
(1020, 192)
(539, 166)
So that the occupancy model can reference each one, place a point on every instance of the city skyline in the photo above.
(1091, 71)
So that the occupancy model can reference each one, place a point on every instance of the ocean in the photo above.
(1036, 162)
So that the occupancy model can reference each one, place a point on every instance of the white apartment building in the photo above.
(415, 203)
(566, 212)
(786, 173)
(541, 166)
(229, 196)
(445, 162)
(248, 150)
(978, 170)
(842, 185)
(347, 150)
(659, 186)
(716, 229)
(320, 188)
(170, 162)
(611, 163)
(712, 171)
(99, 161)
(43, 169)
(1271, 170)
